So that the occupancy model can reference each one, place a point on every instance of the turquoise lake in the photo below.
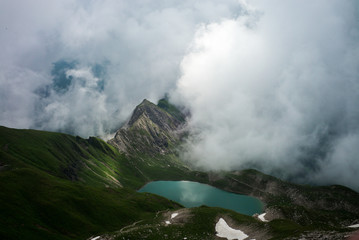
(193, 194)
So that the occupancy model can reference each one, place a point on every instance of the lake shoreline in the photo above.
(194, 194)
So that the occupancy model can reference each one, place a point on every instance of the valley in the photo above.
(58, 186)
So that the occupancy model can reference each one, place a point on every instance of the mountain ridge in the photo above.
(151, 129)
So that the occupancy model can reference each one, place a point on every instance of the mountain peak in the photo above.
(151, 129)
(155, 114)
(144, 102)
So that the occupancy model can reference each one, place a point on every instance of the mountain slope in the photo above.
(55, 186)
(150, 130)
(323, 206)
(35, 205)
(89, 161)
(150, 142)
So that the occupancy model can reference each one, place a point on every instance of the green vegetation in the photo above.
(198, 223)
(171, 109)
(55, 186)
(90, 161)
(164, 167)
(40, 206)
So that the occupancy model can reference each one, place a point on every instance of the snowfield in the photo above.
(225, 231)
(354, 226)
(261, 217)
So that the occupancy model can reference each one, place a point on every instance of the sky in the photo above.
(272, 85)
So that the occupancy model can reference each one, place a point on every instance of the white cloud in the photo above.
(17, 96)
(273, 88)
(140, 44)
(80, 110)
(341, 166)
(84, 74)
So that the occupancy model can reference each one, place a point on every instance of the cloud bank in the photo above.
(273, 86)
(81, 66)
(277, 89)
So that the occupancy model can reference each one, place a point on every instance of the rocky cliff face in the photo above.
(150, 130)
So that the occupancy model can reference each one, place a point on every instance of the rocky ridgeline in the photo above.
(150, 130)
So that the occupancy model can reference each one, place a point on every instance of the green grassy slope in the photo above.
(90, 161)
(35, 205)
(55, 186)
(199, 223)
(195, 223)
(171, 109)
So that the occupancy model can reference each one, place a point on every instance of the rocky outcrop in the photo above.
(335, 206)
(150, 130)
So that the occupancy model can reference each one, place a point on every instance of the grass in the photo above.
(36, 205)
(55, 186)
(171, 109)
(91, 162)
(201, 225)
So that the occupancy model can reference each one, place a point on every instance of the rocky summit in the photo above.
(151, 129)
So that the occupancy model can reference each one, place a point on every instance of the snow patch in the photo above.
(173, 215)
(225, 231)
(261, 217)
(167, 222)
(95, 238)
(354, 226)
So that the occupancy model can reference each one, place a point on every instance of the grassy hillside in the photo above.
(55, 186)
(195, 223)
(89, 161)
(199, 223)
(35, 205)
